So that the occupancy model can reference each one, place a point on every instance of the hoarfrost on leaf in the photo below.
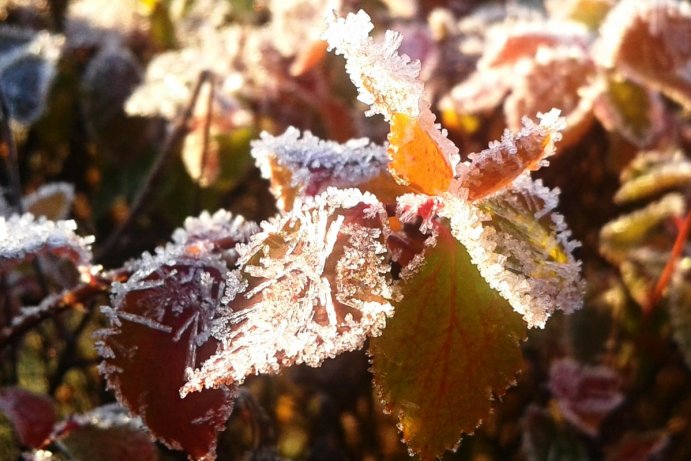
(25, 236)
(306, 165)
(496, 168)
(521, 247)
(318, 285)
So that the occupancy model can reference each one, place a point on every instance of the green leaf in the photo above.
(452, 345)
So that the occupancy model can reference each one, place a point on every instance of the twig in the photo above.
(176, 135)
(668, 271)
(55, 304)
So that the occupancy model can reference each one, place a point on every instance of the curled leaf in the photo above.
(652, 173)
(632, 110)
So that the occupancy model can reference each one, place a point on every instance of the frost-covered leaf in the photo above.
(32, 415)
(108, 80)
(25, 236)
(159, 328)
(495, 168)
(26, 74)
(522, 248)
(303, 166)
(556, 77)
(216, 233)
(53, 200)
(452, 345)
(390, 84)
(508, 44)
(318, 284)
(630, 109)
(482, 92)
(386, 81)
(649, 42)
(652, 173)
(585, 394)
(107, 433)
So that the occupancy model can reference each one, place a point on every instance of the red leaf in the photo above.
(32, 415)
(159, 330)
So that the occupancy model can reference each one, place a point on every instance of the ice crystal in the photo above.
(311, 164)
(218, 232)
(318, 285)
(25, 236)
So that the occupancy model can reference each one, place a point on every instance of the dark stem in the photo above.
(176, 135)
(54, 305)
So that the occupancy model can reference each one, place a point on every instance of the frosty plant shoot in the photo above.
(443, 264)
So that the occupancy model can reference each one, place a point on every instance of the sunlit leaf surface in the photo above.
(452, 345)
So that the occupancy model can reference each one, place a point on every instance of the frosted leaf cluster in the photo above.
(23, 236)
(313, 164)
(303, 303)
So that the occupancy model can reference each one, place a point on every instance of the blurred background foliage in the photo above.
(110, 132)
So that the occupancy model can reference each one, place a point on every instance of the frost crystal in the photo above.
(25, 236)
(221, 231)
(311, 165)
(385, 80)
(318, 285)
(522, 248)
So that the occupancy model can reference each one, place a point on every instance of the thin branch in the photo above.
(55, 304)
(173, 140)
(666, 275)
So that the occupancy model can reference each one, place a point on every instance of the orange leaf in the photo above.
(416, 159)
